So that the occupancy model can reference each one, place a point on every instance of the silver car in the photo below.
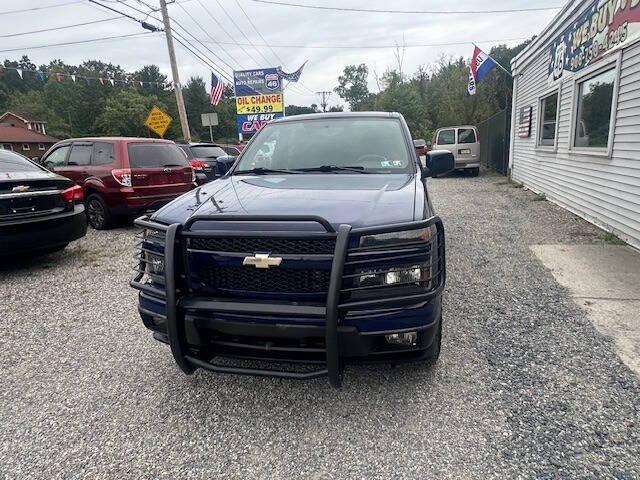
(464, 143)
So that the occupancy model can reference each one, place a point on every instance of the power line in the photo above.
(355, 47)
(182, 36)
(75, 43)
(144, 24)
(212, 39)
(39, 8)
(60, 28)
(203, 59)
(226, 32)
(243, 33)
(263, 39)
(428, 12)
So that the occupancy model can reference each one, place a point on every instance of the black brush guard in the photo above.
(174, 255)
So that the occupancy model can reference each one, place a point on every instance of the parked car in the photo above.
(233, 149)
(464, 143)
(202, 158)
(39, 210)
(320, 246)
(122, 175)
(422, 147)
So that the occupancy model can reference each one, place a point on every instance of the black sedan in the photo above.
(39, 210)
(203, 159)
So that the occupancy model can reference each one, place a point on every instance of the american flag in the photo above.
(217, 87)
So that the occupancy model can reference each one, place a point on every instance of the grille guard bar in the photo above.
(334, 366)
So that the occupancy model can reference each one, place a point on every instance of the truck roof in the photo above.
(320, 116)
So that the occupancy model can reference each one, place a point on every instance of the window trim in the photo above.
(55, 148)
(455, 136)
(557, 90)
(613, 63)
(26, 147)
(41, 147)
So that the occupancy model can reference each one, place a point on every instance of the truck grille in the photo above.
(271, 280)
(318, 246)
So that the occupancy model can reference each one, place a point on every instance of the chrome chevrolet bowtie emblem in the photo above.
(262, 260)
(20, 188)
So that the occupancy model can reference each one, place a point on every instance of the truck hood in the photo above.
(359, 200)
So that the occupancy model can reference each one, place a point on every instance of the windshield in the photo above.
(12, 162)
(373, 145)
(207, 151)
(153, 155)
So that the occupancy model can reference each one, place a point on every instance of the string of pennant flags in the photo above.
(60, 77)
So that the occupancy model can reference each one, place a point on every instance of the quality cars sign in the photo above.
(259, 98)
(604, 25)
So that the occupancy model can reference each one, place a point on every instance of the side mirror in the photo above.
(439, 162)
(223, 164)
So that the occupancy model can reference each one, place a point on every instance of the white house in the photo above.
(576, 114)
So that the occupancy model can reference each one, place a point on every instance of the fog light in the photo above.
(406, 339)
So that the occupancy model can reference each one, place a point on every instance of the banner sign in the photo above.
(259, 98)
(606, 24)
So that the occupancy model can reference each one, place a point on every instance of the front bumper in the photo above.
(41, 233)
(336, 332)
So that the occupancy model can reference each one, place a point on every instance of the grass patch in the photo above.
(516, 185)
(613, 239)
(540, 197)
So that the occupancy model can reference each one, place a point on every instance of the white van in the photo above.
(464, 143)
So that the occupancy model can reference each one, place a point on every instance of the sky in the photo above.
(290, 31)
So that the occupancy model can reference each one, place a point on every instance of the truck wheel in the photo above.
(98, 214)
(475, 172)
(433, 352)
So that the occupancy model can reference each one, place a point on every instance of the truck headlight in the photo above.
(152, 241)
(407, 275)
(155, 263)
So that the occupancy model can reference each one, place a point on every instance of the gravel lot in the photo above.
(526, 387)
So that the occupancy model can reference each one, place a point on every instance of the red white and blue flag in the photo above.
(217, 87)
(481, 64)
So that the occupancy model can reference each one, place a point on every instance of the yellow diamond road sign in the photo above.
(158, 121)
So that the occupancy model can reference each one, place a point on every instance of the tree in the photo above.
(34, 103)
(290, 110)
(125, 113)
(352, 87)
(196, 103)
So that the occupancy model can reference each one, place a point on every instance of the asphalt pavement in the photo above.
(526, 387)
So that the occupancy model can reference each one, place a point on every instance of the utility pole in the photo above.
(174, 72)
(325, 96)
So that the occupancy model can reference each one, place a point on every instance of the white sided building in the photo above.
(576, 114)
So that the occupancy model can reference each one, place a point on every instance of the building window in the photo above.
(41, 147)
(548, 120)
(592, 126)
(25, 147)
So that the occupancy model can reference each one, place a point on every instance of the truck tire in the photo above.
(475, 172)
(98, 214)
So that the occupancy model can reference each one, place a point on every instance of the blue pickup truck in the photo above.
(318, 247)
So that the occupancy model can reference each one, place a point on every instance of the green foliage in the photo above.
(352, 87)
(433, 97)
(125, 112)
(298, 110)
(81, 108)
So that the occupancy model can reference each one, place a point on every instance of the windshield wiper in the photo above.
(263, 171)
(333, 168)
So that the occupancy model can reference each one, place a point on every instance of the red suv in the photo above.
(122, 175)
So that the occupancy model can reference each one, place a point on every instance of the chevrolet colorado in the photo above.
(319, 246)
